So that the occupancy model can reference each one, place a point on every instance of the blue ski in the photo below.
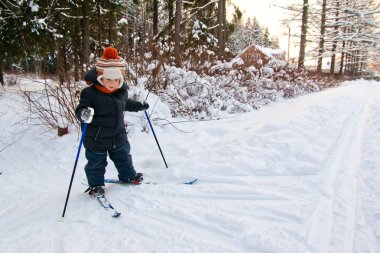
(117, 181)
(190, 182)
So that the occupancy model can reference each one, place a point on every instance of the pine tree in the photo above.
(249, 33)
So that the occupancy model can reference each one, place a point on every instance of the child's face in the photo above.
(111, 84)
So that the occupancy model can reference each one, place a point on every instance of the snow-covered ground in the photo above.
(297, 176)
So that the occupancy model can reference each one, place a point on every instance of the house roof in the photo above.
(269, 52)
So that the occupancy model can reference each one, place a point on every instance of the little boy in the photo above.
(101, 106)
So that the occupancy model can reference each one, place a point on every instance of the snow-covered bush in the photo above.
(267, 72)
(54, 104)
(12, 80)
(231, 87)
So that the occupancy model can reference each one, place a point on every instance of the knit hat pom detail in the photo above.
(109, 59)
(110, 53)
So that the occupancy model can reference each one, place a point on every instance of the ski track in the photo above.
(304, 179)
(336, 210)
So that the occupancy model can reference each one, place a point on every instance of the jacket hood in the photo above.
(91, 77)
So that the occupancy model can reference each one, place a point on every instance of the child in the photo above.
(101, 106)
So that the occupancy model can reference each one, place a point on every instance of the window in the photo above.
(247, 57)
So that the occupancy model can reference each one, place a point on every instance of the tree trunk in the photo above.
(177, 33)
(85, 51)
(341, 63)
(126, 29)
(1, 70)
(155, 17)
(145, 28)
(171, 12)
(356, 61)
(333, 58)
(61, 62)
(334, 46)
(322, 38)
(155, 28)
(221, 26)
(348, 65)
(343, 56)
(171, 21)
(301, 58)
(77, 52)
(110, 24)
(99, 35)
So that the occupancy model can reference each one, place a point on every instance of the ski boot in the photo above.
(134, 180)
(95, 191)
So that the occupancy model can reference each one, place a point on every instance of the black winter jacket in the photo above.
(107, 128)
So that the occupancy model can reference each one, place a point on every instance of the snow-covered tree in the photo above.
(248, 33)
(344, 31)
(351, 33)
(22, 25)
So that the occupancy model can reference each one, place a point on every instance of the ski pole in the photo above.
(75, 166)
(155, 137)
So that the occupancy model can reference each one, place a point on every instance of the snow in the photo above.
(34, 7)
(271, 51)
(296, 176)
(123, 21)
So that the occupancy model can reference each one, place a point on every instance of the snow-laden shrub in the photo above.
(277, 64)
(231, 87)
(267, 72)
(12, 80)
(54, 104)
(209, 87)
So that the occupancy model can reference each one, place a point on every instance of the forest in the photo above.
(186, 52)
(345, 32)
(242, 146)
(58, 37)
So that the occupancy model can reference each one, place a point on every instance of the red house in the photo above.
(257, 56)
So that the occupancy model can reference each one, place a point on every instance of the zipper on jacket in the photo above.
(97, 134)
(117, 120)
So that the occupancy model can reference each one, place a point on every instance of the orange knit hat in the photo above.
(110, 59)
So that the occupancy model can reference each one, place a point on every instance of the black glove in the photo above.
(144, 106)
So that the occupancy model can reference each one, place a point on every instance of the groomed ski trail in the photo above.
(333, 223)
(299, 176)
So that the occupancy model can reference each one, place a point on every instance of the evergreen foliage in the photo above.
(62, 37)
